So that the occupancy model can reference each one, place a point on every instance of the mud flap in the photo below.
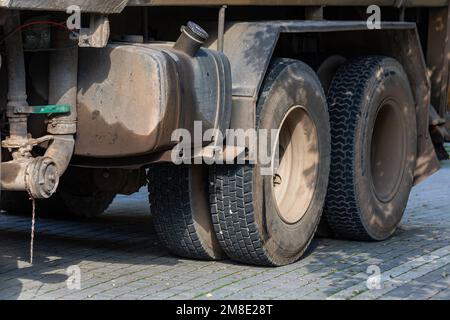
(427, 162)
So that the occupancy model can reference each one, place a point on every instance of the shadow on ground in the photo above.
(125, 236)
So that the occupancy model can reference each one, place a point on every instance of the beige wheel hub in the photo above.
(387, 152)
(295, 180)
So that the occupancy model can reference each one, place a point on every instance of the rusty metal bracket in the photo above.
(401, 4)
(314, 13)
(9, 143)
(221, 28)
(97, 35)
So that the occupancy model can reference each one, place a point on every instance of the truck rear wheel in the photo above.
(77, 197)
(15, 202)
(179, 203)
(71, 205)
(270, 220)
(374, 143)
(62, 204)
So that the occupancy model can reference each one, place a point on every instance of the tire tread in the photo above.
(170, 201)
(345, 100)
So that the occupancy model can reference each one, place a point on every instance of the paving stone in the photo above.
(119, 257)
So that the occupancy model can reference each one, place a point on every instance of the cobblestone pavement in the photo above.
(119, 258)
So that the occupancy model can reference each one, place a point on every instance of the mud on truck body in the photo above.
(360, 114)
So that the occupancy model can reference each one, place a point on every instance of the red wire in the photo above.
(44, 22)
(53, 23)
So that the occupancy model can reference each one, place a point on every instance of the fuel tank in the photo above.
(131, 97)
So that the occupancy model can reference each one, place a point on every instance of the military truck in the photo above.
(353, 93)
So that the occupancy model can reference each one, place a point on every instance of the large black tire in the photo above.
(271, 220)
(76, 197)
(72, 205)
(374, 146)
(60, 205)
(179, 204)
(15, 202)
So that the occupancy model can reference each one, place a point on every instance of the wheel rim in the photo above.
(295, 180)
(387, 156)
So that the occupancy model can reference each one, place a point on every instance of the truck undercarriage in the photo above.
(105, 108)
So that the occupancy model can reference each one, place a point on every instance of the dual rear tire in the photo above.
(374, 149)
(352, 156)
(252, 217)
(181, 214)
(271, 219)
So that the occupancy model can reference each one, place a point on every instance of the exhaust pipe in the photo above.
(38, 176)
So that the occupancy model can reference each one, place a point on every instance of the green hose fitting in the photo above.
(50, 109)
